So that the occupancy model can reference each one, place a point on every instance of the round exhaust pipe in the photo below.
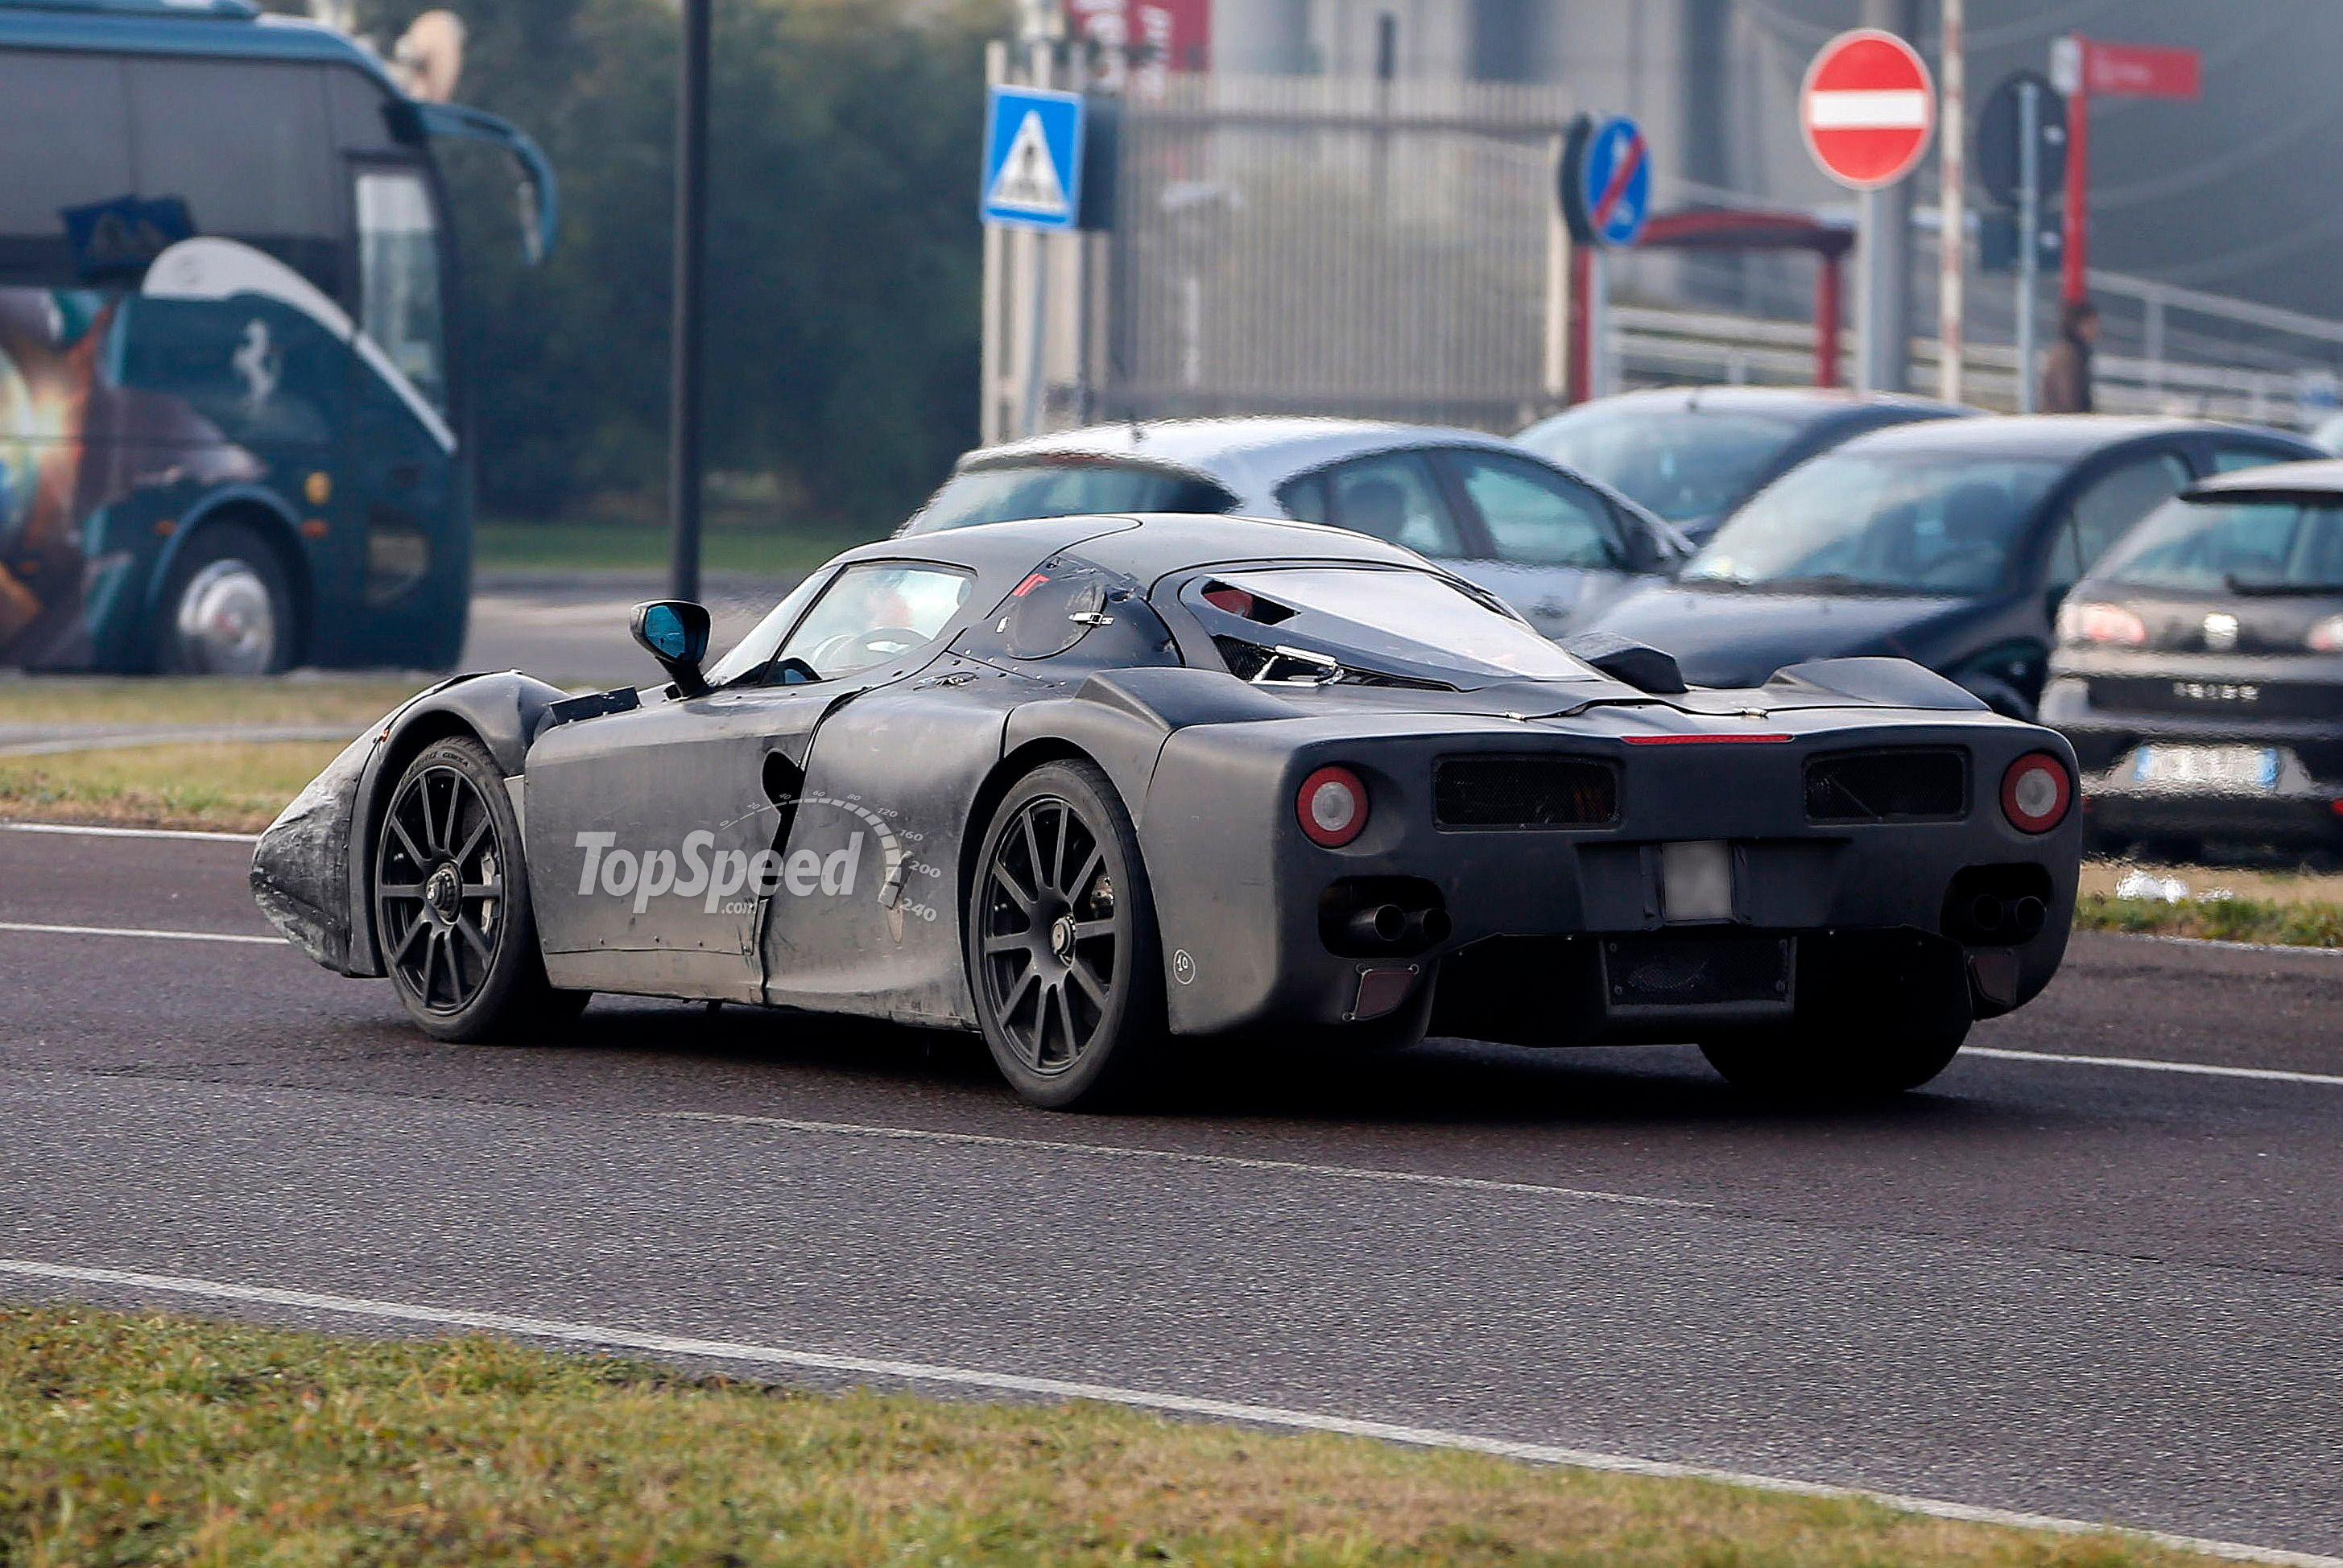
(1378, 923)
(1987, 913)
(1428, 927)
(2026, 917)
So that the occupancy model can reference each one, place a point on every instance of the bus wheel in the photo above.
(227, 608)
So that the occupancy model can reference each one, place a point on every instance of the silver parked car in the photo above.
(1552, 543)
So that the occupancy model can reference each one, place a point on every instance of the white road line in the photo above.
(134, 931)
(89, 831)
(1185, 1157)
(2140, 1064)
(601, 1337)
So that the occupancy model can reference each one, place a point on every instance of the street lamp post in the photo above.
(684, 350)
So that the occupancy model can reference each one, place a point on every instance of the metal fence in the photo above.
(1333, 246)
(1391, 249)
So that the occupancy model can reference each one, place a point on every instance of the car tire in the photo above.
(1848, 1064)
(1063, 957)
(226, 607)
(451, 905)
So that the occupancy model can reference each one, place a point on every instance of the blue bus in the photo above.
(231, 419)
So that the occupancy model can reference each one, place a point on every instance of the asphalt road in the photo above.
(571, 628)
(2096, 1291)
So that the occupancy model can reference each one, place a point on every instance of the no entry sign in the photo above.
(1867, 108)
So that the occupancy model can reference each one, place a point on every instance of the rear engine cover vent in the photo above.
(1897, 784)
(1524, 791)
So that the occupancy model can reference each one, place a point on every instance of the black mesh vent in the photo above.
(1903, 785)
(1524, 792)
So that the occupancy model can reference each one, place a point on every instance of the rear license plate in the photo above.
(1669, 970)
(2207, 767)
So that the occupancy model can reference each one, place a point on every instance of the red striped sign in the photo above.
(1867, 108)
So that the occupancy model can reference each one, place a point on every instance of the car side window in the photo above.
(2107, 509)
(1392, 496)
(2229, 459)
(1537, 518)
(874, 611)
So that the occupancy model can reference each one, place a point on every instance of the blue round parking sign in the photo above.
(1611, 185)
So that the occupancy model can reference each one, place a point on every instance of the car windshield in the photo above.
(1448, 622)
(2217, 547)
(1935, 523)
(1685, 464)
(1063, 489)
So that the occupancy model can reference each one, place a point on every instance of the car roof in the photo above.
(2061, 436)
(1809, 402)
(1143, 547)
(2320, 475)
(1255, 451)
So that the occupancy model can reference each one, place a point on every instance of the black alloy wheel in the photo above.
(451, 903)
(1068, 972)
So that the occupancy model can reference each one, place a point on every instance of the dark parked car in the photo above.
(1096, 787)
(1550, 543)
(2199, 669)
(1950, 542)
(1694, 454)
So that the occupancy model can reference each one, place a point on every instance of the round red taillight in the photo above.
(2036, 792)
(1332, 806)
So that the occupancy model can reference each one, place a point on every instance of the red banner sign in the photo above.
(2142, 70)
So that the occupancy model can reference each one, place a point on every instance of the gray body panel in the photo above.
(876, 791)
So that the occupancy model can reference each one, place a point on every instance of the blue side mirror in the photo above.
(675, 632)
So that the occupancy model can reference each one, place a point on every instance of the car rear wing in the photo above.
(539, 195)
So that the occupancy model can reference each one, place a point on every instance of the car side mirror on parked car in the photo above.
(675, 632)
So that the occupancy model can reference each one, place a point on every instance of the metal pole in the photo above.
(1883, 279)
(1953, 239)
(993, 318)
(2029, 234)
(1598, 322)
(1556, 379)
(684, 347)
(1873, 353)
(1037, 322)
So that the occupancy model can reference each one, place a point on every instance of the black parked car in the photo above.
(2200, 670)
(1694, 454)
(1950, 542)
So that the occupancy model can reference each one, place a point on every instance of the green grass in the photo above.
(616, 546)
(232, 786)
(2305, 923)
(354, 701)
(166, 1439)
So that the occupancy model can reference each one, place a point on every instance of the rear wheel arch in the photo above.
(995, 787)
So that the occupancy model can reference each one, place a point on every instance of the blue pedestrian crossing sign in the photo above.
(1032, 158)
(1607, 193)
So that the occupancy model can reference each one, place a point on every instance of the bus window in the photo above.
(243, 144)
(70, 108)
(399, 276)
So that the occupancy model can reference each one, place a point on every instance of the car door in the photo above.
(2107, 506)
(1548, 546)
(659, 840)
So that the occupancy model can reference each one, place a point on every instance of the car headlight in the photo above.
(2089, 624)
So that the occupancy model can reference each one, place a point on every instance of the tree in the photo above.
(844, 243)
